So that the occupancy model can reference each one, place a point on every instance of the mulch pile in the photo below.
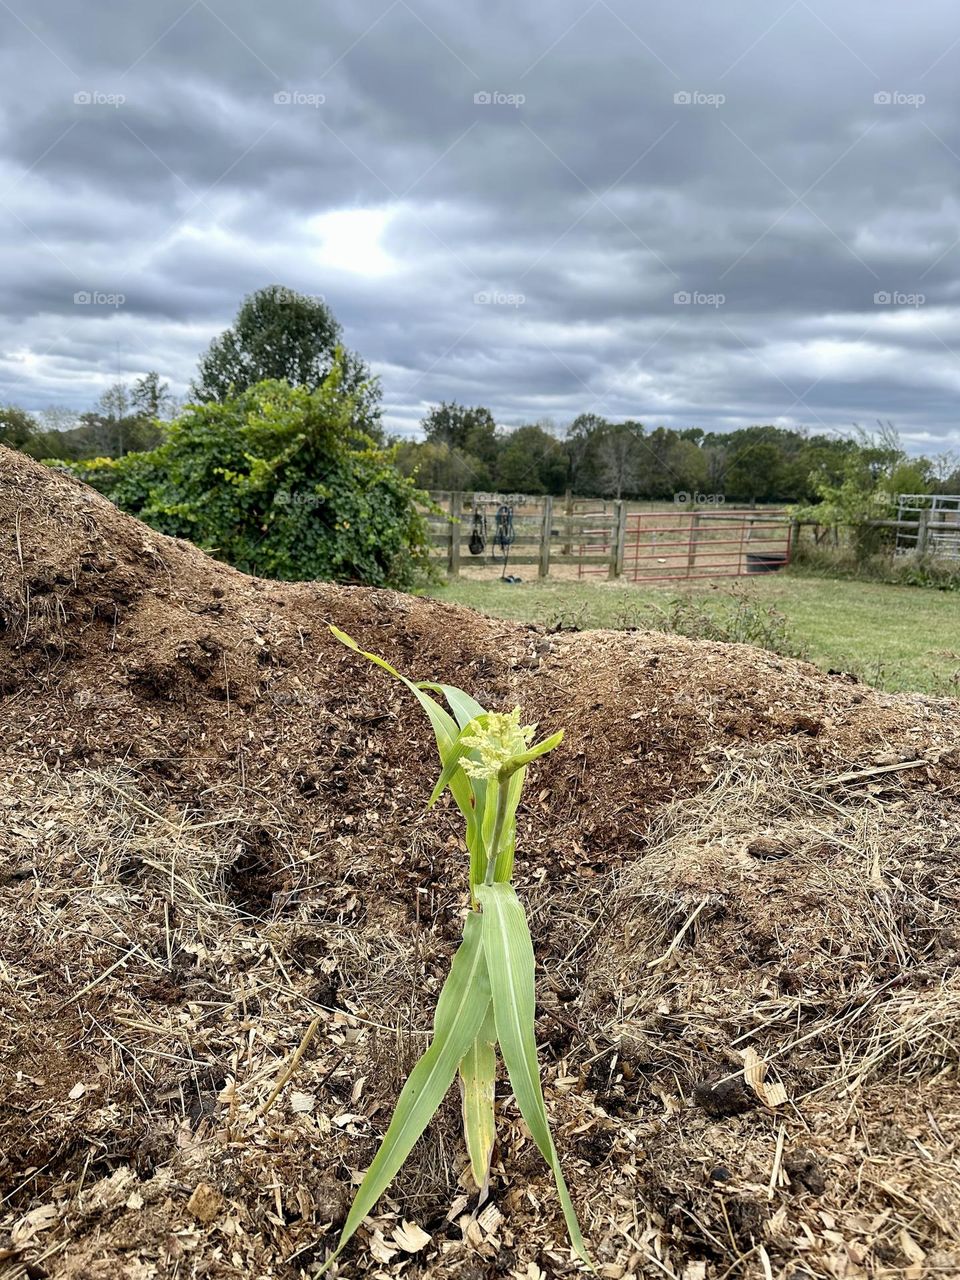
(741, 875)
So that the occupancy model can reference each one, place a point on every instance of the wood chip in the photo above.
(771, 1094)
(205, 1203)
(410, 1237)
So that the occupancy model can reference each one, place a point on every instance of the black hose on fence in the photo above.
(503, 537)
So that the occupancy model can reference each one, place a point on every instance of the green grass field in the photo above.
(897, 638)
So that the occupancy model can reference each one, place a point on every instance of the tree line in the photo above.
(464, 449)
(127, 418)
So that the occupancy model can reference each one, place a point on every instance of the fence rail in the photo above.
(581, 538)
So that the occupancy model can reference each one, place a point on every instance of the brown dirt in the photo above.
(214, 834)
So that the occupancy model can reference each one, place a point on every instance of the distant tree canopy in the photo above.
(279, 481)
(531, 460)
(126, 418)
(285, 336)
(464, 449)
(17, 427)
(471, 431)
(864, 487)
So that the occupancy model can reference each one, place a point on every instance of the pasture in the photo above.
(896, 638)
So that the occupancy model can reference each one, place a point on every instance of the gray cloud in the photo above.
(782, 166)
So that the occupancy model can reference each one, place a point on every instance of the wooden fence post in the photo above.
(694, 535)
(546, 533)
(453, 548)
(619, 538)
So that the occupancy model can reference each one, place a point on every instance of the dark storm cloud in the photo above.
(689, 215)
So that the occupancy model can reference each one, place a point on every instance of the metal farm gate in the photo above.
(929, 524)
(668, 546)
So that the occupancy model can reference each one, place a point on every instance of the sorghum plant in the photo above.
(488, 998)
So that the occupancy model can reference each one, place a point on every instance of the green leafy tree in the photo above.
(282, 335)
(754, 473)
(435, 465)
(17, 427)
(531, 461)
(279, 481)
(580, 462)
(471, 431)
(871, 476)
(150, 397)
(655, 474)
(618, 458)
(688, 467)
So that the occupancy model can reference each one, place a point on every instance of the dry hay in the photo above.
(741, 878)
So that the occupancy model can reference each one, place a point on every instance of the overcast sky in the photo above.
(695, 214)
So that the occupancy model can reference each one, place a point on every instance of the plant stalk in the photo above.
(501, 815)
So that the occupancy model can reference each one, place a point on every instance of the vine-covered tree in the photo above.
(279, 481)
(281, 335)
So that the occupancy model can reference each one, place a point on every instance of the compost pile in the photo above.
(742, 880)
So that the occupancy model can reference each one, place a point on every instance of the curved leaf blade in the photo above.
(510, 968)
(461, 1009)
(478, 1078)
(462, 705)
(455, 754)
(445, 730)
(464, 709)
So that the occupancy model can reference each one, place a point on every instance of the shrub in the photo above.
(900, 570)
(280, 482)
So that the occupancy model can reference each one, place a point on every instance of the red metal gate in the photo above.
(671, 546)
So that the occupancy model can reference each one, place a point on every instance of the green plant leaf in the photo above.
(445, 731)
(462, 705)
(510, 968)
(503, 868)
(478, 1078)
(461, 1009)
(455, 754)
(465, 709)
(539, 749)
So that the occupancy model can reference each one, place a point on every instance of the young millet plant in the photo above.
(488, 998)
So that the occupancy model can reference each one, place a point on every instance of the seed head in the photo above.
(497, 743)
